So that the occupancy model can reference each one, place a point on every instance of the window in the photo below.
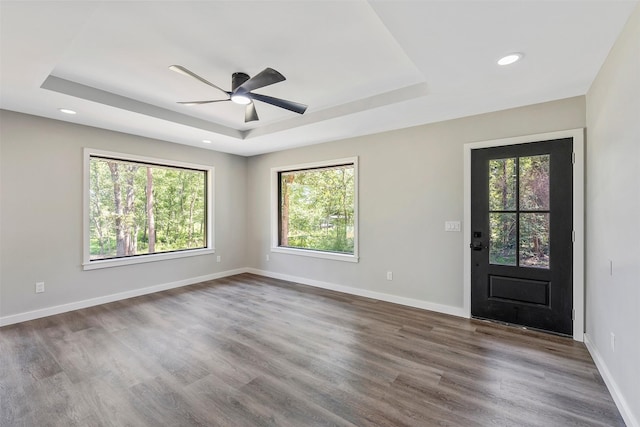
(141, 209)
(519, 212)
(316, 209)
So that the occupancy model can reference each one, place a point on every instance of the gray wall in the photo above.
(41, 214)
(613, 215)
(411, 182)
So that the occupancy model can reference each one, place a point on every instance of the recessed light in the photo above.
(510, 59)
(67, 111)
(206, 141)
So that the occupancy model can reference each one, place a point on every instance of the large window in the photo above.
(141, 209)
(316, 209)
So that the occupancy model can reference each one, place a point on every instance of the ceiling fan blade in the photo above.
(266, 77)
(202, 102)
(282, 103)
(180, 69)
(250, 114)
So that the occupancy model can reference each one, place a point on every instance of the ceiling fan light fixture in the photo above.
(241, 91)
(510, 59)
(240, 99)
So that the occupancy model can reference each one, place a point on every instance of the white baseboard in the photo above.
(410, 302)
(618, 398)
(77, 305)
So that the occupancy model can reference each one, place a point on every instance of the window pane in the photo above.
(139, 208)
(534, 240)
(317, 209)
(502, 243)
(502, 184)
(534, 183)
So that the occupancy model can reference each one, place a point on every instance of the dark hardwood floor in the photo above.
(253, 351)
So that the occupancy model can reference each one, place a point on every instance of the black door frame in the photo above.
(578, 216)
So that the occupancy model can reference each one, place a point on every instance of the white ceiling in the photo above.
(361, 66)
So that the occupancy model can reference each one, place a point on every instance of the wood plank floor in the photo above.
(253, 351)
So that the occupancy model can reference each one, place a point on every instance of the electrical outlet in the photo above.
(613, 342)
(39, 287)
(267, 257)
(219, 258)
(389, 275)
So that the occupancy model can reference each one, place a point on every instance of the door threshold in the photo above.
(521, 327)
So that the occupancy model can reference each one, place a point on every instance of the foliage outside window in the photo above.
(519, 211)
(138, 208)
(317, 209)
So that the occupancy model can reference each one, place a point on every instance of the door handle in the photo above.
(476, 245)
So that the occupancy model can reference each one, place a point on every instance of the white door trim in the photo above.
(578, 216)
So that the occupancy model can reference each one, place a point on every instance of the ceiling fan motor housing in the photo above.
(237, 79)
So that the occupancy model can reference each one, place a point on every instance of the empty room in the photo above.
(304, 213)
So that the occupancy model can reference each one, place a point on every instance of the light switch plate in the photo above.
(452, 226)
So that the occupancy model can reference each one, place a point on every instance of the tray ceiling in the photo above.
(361, 66)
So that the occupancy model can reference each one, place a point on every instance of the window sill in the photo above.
(316, 254)
(141, 259)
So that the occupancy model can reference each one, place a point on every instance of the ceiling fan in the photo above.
(241, 91)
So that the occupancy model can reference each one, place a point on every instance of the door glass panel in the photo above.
(534, 183)
(502, 240)
(534, 240)
(502, 184)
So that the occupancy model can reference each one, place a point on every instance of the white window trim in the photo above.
(275, 203)
(87, 264)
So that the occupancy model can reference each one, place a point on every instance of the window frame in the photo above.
(88, 264)
(275, 211)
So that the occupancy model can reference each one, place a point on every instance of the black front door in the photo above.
(522, 234)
